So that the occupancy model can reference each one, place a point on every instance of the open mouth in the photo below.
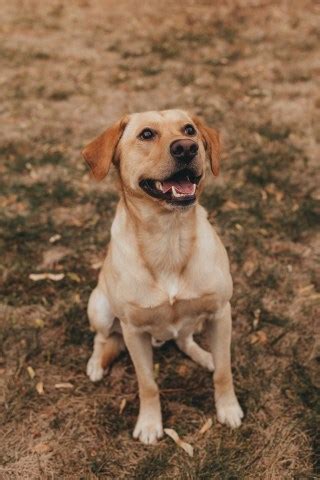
(179, 189)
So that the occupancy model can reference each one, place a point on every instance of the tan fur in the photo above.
(112, 348)
(101, 152)
(165, 268)
(212, 142)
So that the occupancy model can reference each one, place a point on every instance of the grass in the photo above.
(274, 133)
(264, 204)
(60, 95)
(165, 49)
(302, 220)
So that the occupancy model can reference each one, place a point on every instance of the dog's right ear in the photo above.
(102, 151)
(212, 144)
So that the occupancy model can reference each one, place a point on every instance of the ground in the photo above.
(69, 69)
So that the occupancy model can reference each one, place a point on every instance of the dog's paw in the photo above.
(229, 413)
(206, 361)
(148, 429)
(94, 369)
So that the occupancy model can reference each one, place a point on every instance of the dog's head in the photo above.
(159, 155)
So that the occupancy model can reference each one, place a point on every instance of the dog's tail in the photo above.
(112, 347)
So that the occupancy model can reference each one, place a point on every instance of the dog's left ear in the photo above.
(102, 151)
(211, 139)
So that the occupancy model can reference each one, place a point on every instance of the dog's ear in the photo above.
(102, 151)
(211, 139)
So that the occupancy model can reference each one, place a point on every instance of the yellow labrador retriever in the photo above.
(166, 265)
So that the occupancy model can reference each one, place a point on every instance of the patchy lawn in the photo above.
(67, 70)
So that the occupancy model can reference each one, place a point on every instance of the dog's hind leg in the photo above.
(105, 350)
(107, 345)
(188, 346)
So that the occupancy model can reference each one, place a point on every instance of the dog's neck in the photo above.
(164, 237)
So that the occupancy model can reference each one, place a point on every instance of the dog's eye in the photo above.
(147, 134)
(189, 129)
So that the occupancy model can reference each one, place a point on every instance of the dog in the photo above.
(165, 266)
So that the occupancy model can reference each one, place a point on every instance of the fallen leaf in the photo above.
(316, 296)
(306, 252)
(256, 319)
(306, 290)
(97, 265)
(279, 196)
(271, 188)
(76, 298)
(53, 256)
(229, 205)
(41, 448)
(207, 425)
(39, 388)
(39, 322)
(123, 404)
(183, 370)
(74, 276)
(315, 351)
(258, 138)
(55, 238)
(31, 372)
(175, 437)
(264, 195)
(258, 337)
(63, 385)
(56, 277)
(249, 267)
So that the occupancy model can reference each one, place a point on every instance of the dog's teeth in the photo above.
(174, 192)
(177, 194)
(159, 186)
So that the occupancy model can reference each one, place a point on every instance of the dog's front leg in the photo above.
(149, 425)
(228, 408)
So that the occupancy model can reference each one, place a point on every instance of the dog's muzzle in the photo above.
(184, 150)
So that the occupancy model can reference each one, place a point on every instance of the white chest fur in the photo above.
(170, 284)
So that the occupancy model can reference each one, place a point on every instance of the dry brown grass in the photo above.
(68, 69)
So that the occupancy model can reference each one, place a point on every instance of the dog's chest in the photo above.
(174, 315)
(170, 285)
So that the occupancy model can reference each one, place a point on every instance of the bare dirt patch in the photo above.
(67, 70)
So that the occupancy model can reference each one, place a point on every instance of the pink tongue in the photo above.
(183, 186)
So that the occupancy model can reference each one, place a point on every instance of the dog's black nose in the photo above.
(184, 150)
